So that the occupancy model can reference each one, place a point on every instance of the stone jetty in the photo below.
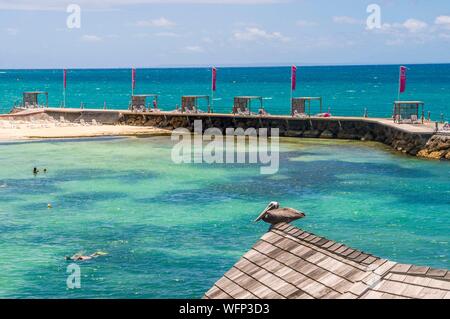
(413, 139)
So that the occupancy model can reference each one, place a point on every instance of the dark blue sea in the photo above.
(347, 90)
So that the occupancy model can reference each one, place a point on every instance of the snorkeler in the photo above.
(80, 257)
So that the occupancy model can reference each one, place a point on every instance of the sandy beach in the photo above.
(20, 130)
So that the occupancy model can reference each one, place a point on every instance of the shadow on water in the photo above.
(50, 183)
(299, 179)
(79, 201)
(63, 140)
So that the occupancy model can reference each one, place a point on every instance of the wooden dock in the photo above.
(289, 263)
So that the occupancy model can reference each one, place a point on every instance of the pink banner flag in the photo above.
(65, 78)
(402, 79)
(214, 79)
(293, 78)
(133, 78)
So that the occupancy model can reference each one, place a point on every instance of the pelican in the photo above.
(273, 214)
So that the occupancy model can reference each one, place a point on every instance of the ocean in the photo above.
(347, 90)
(171, 231)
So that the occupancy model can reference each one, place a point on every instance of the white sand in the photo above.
(20, 130)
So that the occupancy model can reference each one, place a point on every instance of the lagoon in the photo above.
(171, 230)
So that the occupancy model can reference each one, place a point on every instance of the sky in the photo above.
(159, 33)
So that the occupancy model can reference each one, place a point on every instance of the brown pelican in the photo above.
(273, 214)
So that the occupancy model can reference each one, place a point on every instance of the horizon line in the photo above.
(204, 66)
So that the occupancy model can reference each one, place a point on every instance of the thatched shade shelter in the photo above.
(299, 105)
(31, 99)
(408, 111)
(139, 102)
(190, 103)
(243, 104)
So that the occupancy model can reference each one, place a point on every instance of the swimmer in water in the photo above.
(80, 257)
(35, 171)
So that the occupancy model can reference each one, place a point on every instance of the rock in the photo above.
(368, 137)
(447, 156)
(327, 134)
(311, 133)
(423, 153)
(294, 134)
(436, 155)
(442, 146)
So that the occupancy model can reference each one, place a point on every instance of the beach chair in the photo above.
(241, 106)
(154, 110)
(414, 119)
(446, 127)
(242, 112)
(189, 104)
(298, 108)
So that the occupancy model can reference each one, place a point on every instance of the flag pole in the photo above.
(64, 87)
(399, 82)
(293, 69)
(133, 74)
(292, 91)
(213, 87)
(212, 91)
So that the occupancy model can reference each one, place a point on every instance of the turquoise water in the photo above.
(347, 90)
(172, 230)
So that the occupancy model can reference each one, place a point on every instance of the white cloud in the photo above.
(414, 25)
(91, 38)
(12, 31)
(443, 21)
(346, 20)
(167, 34)
(157, 23)
(194, 49)
(411, 26)
(255, 34)
(409, 31)
(306, 23)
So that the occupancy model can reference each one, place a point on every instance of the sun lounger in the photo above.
(299, 114)
(446, 127)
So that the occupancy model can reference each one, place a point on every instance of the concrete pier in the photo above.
(406, 138)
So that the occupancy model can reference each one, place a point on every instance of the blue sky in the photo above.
(148, 33)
